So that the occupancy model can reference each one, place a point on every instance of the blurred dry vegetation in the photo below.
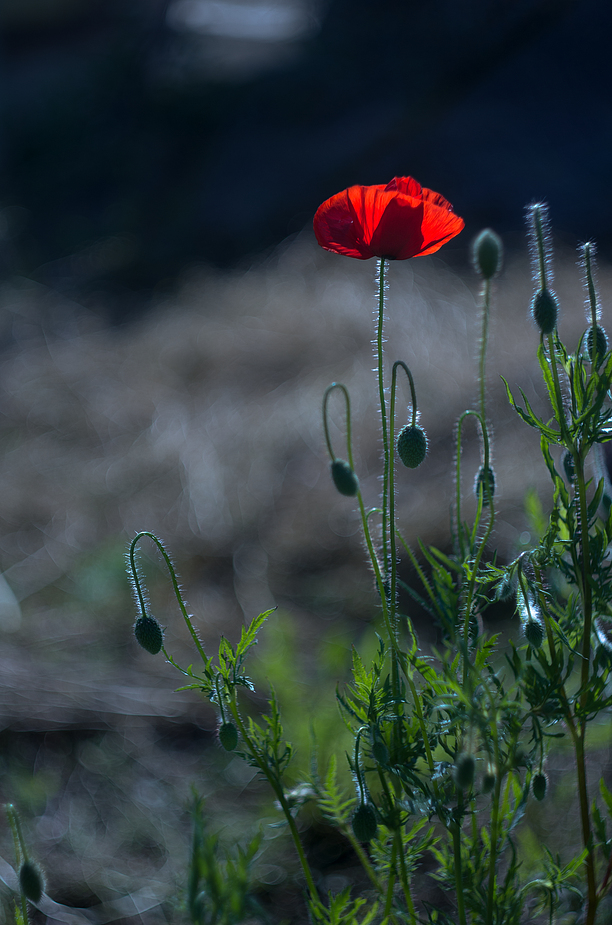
(201, 423)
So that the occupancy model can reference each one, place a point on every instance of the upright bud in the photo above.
(569, 467)
(488, 780)
(344, 478)
(412, 445)
(487, 254)
(597, 344)
(149, 633)
(545, 310)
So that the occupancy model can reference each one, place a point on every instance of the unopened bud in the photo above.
(31, 881)
(344, 478)
(364, 822)
(487, 252)
(412, 445)
(597, 344)
(149, 633)
(545, 310)
(488, 780)
(534, 633)
(464, 771)
(539, 784)
(228, 736)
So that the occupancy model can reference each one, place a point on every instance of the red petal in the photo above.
(337, 229)
(439, 226)
(407, 185)
(399, 234)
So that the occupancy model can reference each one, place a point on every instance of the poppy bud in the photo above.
(534, 633)
(149, 634)
(464, 771)
(569, 468)
(31, 881)
(364, 822)
(487, 252)
(412, 445)
(228, 736)
(488, 780)
(344, 478)
(597, 345)
(545, 310)
(505, 589)
(539, 783)
(486, 479)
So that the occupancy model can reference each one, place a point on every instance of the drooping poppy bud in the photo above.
(464, 771)
(149, 633)
(487, 252)
(539, 785)
(344, 478)
(364, 822)
(31, 881)
(488, 780)
(412, 445)
(485, 479)
(545, 310)
(597, 344)
(534, 633)
(228, 736)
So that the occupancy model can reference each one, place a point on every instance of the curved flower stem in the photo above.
(175, 585)
(382, 267)
(349, 441)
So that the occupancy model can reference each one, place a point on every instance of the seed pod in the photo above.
(488, 780)
(412, 445)
(31, 881)
(485, 478)
(545, 310)
(228, 736)
(344, 478)
(568, 467)
(487, 252)
(149, 633)
(364, 822)
(464, 771)
(534, 633)
(597, 346)
(539, 784)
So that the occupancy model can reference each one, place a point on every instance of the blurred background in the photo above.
(167, 329)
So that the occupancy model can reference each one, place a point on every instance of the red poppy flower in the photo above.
(400, 220)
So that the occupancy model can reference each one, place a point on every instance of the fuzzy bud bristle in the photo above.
(31, 881)
(545, 310)
(364, 822)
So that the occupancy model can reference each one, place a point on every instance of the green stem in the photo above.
(456, 831)
(391, 883)
(486, 305)
(383, 408)
(587, 610)
(280, 795)
(404, 876)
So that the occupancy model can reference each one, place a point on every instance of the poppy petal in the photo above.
(337, 229)
(399, 232)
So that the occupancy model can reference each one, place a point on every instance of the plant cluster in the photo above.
(448, 749)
